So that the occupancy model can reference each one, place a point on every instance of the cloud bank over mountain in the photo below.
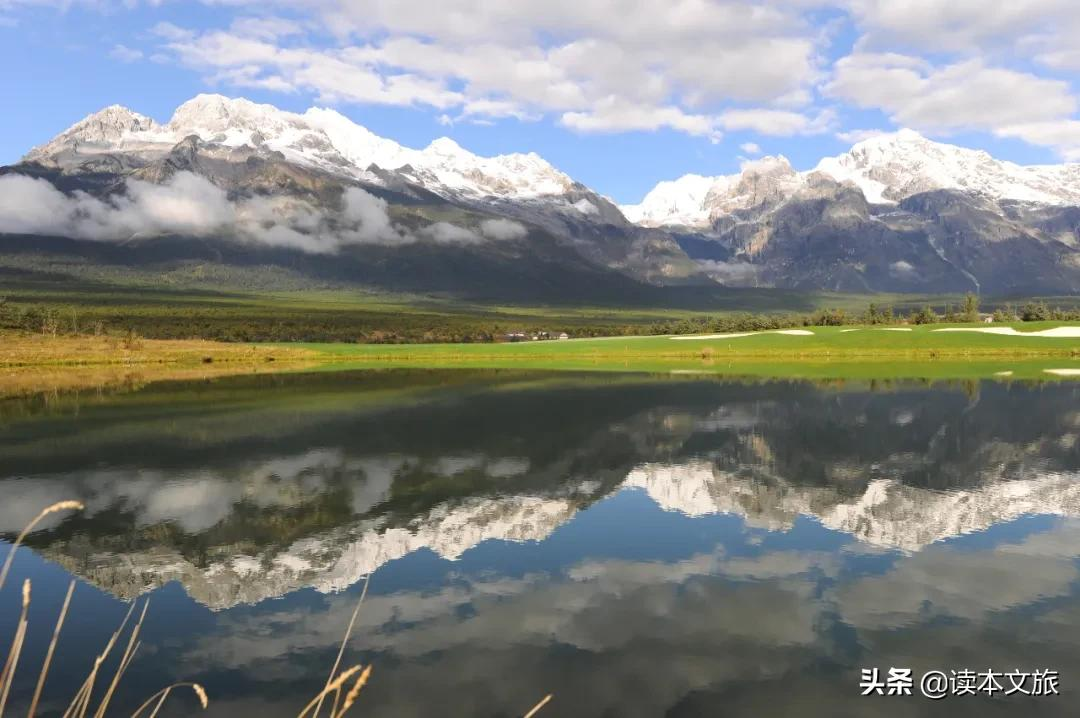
(188, 204)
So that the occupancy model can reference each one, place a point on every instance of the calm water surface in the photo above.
(638, 546)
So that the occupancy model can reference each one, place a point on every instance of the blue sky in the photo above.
(618, 94)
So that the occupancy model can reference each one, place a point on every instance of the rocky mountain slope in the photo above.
(896, 213)
(261, 186)
(275, 186)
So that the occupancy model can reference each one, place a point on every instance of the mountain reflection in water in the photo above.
(637, 545)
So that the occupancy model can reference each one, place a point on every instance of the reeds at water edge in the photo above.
(353, 678)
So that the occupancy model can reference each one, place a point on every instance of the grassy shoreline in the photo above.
(33, 362)
(925, 342)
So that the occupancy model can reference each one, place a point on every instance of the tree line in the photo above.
(255, 324)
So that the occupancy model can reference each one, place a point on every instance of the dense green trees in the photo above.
(256, 322)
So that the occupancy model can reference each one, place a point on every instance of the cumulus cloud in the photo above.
(776, 122)
(854, 136)
(698, 67)
(123, 53)
(750, 148)
(502, 229)
(188, 204)
(964, 95)
(661, 65)
(737, 274)
(614, 115)
(1063, 135)
(962, 25)
(447, 233)
(903, 270)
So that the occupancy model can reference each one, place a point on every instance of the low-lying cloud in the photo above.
(731, 273)
(191, 205)
(502, 229)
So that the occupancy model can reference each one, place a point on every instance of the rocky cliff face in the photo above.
(282, 180)
(897, 213)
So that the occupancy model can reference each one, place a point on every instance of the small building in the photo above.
(563, 335)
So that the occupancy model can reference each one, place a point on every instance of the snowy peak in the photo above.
(106, 128)
(229, 120)
(891, 167)
(678, 201)
(446, 147)
(694, 200)
(320, 138)
(886, 169)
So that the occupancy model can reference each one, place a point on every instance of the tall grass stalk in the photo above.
(341, 651)
(52, 649)
(58, 506)
(543, 702)
(12, 662)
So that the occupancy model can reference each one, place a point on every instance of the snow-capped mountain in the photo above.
(897, 213)
(319, 138)
(391, 217)
(886, 169)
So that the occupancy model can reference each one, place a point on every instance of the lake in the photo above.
(636, 545)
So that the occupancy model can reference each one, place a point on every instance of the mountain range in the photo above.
(321, 197)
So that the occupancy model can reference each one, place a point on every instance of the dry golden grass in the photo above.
(80, 704)
(35, 350)
(31, 364)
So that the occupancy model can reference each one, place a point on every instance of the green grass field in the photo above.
(837, 352)
(339, 315)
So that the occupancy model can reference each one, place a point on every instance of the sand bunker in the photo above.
(1055, 333)
(1062, 372)
(789, 332)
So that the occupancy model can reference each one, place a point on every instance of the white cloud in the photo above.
(123, 53)
(369, 213)
(1062, 135)
(502, 229)
(597, 65)
(447, 233)
(964, 95)
(750, 148)
(169, 31)
(187, 204)
(190, 205)
(854, 136)
(699, 67)
(775, 122)
(961, 25)
(738, 274)
(266, 28)
(612, 115)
